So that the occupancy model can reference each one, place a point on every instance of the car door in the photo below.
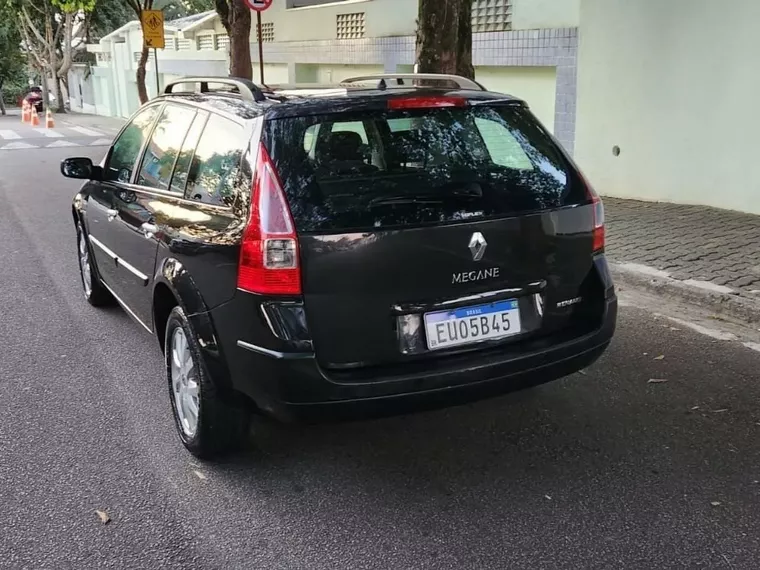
(145, 205)
(102, 210)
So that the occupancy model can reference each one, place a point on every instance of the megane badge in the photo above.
(477, 246)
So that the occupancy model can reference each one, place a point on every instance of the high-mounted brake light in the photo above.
(426, 102)
(598, 213)
(269, 250)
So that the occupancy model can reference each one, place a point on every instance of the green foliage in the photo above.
(109, 15)
(73, 6)
(11, 57)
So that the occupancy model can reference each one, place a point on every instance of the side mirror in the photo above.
(81, 168)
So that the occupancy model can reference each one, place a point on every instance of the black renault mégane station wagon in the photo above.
(392, 243)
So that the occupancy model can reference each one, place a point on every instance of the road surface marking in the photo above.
(17, 146)
(86, 132)
(9, 135)
(58, 144)
(101, 142)
(48, 133)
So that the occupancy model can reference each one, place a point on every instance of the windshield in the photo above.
(401, 168)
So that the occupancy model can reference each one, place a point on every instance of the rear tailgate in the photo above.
(402, 213)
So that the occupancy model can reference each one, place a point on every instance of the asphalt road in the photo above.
(599, 470)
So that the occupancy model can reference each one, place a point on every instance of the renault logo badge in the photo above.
(477, 246)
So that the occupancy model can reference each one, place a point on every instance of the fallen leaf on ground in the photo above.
(200, 475)
(657, 381)
(582, 372)
(661, 357)
(719, 411)
(104, 518)
(715, 503)
(675, 329)
(548, 497)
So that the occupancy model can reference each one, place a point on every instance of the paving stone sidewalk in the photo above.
(689, 242)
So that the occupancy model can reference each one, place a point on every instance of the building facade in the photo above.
(525, 47)
(654, 98)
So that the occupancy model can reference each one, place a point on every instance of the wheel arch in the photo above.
(174, 286)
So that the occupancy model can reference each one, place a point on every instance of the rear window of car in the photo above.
(404, 168)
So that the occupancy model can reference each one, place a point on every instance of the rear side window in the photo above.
(185, 158)
(164, 147)
(404, 168)
(215, 166)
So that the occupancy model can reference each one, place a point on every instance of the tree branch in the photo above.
(35, 31)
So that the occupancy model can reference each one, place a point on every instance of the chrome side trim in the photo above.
(274, 353)
(126, 308)
(105, 250)
(133, 270)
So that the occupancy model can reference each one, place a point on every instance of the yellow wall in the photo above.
(274, 73)
(536, 85)
(382, 17)
(336, 73)
(532, 14)
(675, 85)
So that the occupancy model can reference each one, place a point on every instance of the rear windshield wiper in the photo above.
(438, 196)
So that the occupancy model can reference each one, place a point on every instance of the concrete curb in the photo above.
(719, 300)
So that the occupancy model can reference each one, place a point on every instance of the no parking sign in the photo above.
(258, 5)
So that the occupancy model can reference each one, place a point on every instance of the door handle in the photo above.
(111, 214)
(149, 230)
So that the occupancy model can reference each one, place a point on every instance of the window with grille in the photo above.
(267, 31)
(491, 15)
(350, 26)
(183, 45)
(136, 55)
(222, 41)
(206, 42)
(171, 43)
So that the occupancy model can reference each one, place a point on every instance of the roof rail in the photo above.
(248, 90)
(398, 78)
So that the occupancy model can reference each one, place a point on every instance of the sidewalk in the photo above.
(707, 255)
(111, 125)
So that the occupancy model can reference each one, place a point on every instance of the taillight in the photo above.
(599, 237)
(598, 214)
(432, 102)
(269, 250)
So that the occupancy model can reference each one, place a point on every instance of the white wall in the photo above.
(533, 14)
(675, 84)
(536, 85)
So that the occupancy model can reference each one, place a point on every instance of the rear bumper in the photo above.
(299, 389)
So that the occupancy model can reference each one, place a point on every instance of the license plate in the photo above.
(472, 324)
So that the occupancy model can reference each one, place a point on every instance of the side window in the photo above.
(214, 167)
(502, 145)
(128, 145)
(164, 146)
(179, 180)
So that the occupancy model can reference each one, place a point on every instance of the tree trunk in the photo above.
(142, 91)
(240, 40)
(2, 100)
(59, 96)
(444, 37)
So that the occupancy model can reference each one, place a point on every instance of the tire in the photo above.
(94, 291)
(218, 427)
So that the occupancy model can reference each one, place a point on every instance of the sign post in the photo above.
(153, 36)
(259, 6)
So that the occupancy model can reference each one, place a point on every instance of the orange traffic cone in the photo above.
(25, 114)
(35, 117)
(49, 122)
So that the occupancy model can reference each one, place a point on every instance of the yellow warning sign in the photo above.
(153, 28)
